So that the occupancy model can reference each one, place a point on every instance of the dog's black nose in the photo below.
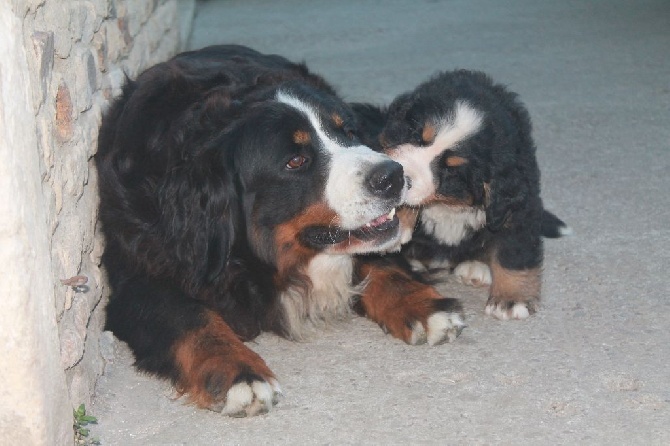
(386, 179)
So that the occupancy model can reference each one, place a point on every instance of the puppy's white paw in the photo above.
(473, 273)
(510, 310)
(440, 327)
(246, 399)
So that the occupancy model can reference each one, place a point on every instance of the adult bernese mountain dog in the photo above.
(465, 144)
(234, 192)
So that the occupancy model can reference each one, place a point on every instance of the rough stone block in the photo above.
(138, 13)
(64, 114)
(99, 43)
(85, 78)
(78, 54)
(83, 21)
(43, 52)
(71, 348)
(55, 17)
(114, 41)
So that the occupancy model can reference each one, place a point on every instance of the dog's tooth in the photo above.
(391, 214)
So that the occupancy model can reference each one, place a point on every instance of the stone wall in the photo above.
(60, 65)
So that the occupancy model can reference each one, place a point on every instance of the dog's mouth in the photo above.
(381, 223)
(376, 232)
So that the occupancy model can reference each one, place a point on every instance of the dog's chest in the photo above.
(331, 280)
(328, 299)
(451, 225)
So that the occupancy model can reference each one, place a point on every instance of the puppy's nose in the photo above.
(386, 179)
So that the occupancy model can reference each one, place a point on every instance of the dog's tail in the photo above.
(554, 227)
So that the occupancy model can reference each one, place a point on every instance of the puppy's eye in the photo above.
(296, 162)
(351, 134)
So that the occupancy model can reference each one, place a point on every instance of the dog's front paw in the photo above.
(218, 372)
(473, 273)
(250, 395)
(506, 309)
(438, 328)
(408, 308)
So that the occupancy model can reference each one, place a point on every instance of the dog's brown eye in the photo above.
(296, 162)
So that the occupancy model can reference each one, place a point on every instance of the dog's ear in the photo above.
(200, 217)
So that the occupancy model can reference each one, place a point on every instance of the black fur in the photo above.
(192, 188)
(500, 174)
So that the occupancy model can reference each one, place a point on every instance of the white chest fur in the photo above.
(449, 224)
(328, 299)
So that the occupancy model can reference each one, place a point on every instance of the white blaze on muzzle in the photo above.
(462, 123)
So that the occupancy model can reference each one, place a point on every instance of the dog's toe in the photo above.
(507, 310)
(249, 398)
(473, 273)
(444, 327)
(439, 328)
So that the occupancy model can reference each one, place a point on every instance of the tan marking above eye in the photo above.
(455, 161)
(337, 119)
(301, 137)
(428, 134)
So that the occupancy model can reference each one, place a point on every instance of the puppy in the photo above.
(233, 195)
(465, 143)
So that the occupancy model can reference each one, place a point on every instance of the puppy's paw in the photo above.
(473, 273)
(438, 328)
(250, 395)
(514, 294)
(506, 310)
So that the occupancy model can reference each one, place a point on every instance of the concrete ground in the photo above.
(593, 366)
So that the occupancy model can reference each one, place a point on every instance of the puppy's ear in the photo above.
(399, 125)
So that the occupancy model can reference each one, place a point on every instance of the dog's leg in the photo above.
(516, 280)
(176, 337)
(405, 306)
(219, 372)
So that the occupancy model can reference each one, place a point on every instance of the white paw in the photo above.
(473, 273)
(248, 399)
(418, 334)
(503, 310)
(444, 327)
(440, 327)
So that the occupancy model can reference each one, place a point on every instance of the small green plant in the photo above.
(80, 432)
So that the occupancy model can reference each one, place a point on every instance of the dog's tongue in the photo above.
(381, 219)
